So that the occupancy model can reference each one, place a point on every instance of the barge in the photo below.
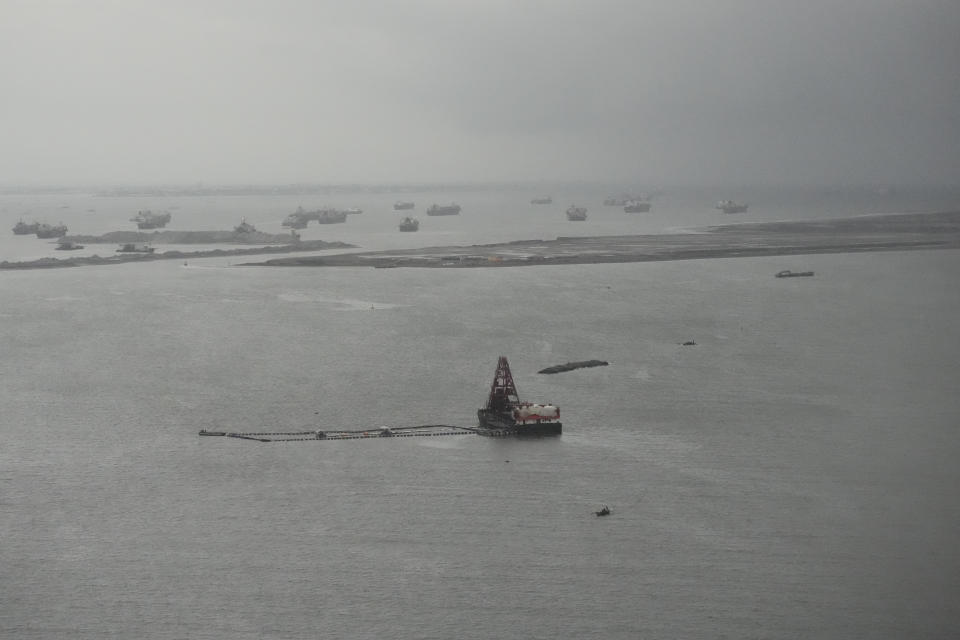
(506, 415)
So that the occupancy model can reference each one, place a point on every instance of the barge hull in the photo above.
(497, 424)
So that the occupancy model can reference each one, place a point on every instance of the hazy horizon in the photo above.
(655, 93)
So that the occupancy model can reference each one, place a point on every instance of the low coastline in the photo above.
(896, 232)
(120, 258)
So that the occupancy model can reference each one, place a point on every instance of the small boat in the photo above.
(133, 247)
(451, 209)
(402, 205)
(409, 224)
(604, 511)
(543, 200)
(786, 273)
(729, 206)
(67, 245)
(637, 206)
(576, 214)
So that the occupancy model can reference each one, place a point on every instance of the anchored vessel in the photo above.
(786, 273)
(637, 206)
(402, 205)
(135, 247)
(55, 231)
(729, 206)
(505, 414)
(22, 228)
(244, 227)
(150, 220)
(451, 209)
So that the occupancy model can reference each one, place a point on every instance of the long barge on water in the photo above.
(504, 415)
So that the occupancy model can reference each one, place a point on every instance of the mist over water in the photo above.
(792, 475)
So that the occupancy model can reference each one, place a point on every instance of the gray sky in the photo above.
(644, 92)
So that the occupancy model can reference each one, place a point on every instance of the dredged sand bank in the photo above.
(895, 232)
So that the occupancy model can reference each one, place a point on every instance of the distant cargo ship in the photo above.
(451, 209)
(133, 247)
(637, 206)
(149, 220)
(295, 221)
(402, 205)
(245, 227)
(51, 231)
(22, 228)
(329, 216)
(544, 200)
(729, 206)
(506, 415)
(624, 199)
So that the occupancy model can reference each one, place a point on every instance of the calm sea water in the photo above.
(793, 475)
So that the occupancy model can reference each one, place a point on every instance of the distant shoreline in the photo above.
(121, 258)
(895, 232)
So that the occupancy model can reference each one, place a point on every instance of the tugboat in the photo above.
(451, 209)
(577, 214)
(729, 206)
(505, 415)
(409, 224)
(22, 228)
(604, 511)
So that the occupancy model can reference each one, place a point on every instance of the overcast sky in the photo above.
(655, 92)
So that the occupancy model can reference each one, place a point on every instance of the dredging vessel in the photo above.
(506, 415)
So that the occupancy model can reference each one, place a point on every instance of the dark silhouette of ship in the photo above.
(23, 228)
(149, 220)
(51, 231)
(451, 209)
